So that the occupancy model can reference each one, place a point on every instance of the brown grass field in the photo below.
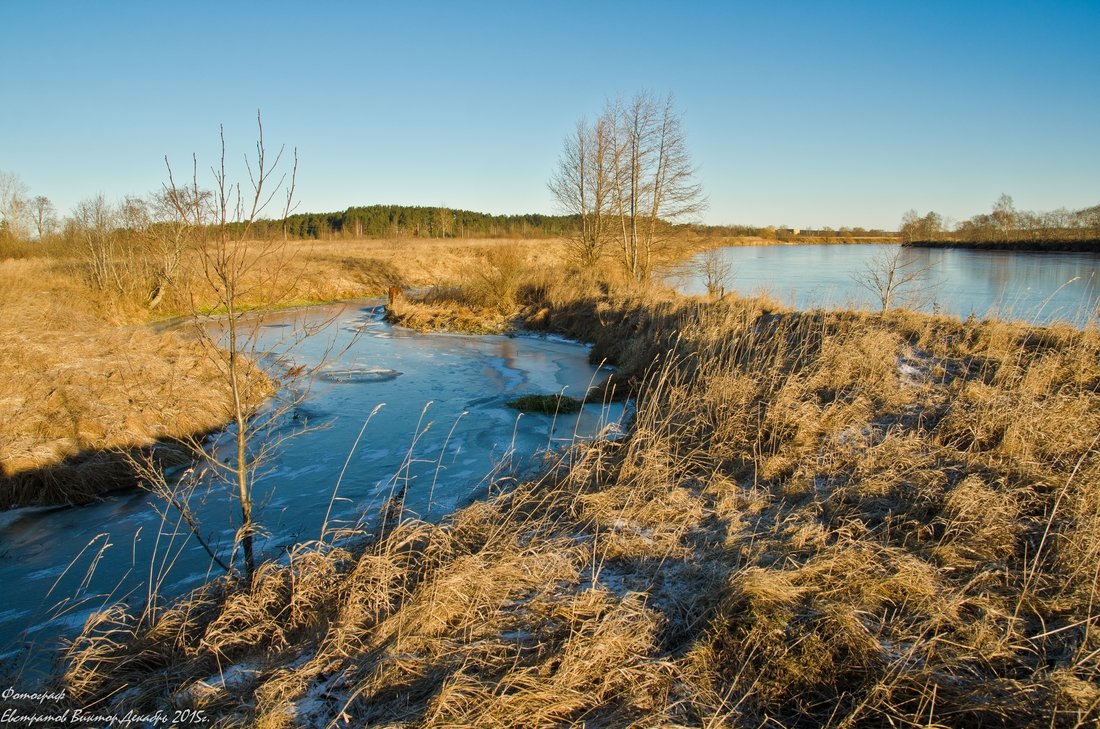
(816, 519)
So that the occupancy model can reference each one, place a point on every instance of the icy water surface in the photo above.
(1035, 287)
(441, 430)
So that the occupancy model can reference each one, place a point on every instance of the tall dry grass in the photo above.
(822, 519)
(485, 293)
(77, 391)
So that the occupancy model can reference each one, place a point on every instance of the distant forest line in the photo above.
(1006, 227)
(414, 221)
(1082, 245)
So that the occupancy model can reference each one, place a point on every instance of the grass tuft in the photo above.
(546, 404)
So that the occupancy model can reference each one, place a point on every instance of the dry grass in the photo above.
(76, 391)
(484, 292)
(816, 520)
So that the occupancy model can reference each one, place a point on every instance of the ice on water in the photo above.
(442, 427)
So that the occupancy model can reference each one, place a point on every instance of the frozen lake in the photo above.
(1035, 287)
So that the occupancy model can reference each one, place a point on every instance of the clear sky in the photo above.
(807, 114)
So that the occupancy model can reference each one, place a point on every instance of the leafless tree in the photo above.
(627, 177)
(444, 220)
(910, 226)
(914, 227)
(895, 275)
(582, 185)
(236, 269)
(1004, 215)
(115, 240)
(44, 216)
(135, 235)
(92, 227)
(653, 184)
(717, 273)
(172, 235)
(13, 206)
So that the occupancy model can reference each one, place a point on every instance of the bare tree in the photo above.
(910, 226)
(444, 219)
(932, 226)
(1004, 215)
(13, 206)
(172, 234)
(653, 184)
(115, 240)
(895, 274)
(914, 227)
(582, 185)
(717, 273)
(135, 234)
(628, 177)
(92, 227)
(44, 216)
(237, 269)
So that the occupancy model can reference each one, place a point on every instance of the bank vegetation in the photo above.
(99, 354)
(1005, 227)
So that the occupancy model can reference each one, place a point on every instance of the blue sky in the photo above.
(800, 113)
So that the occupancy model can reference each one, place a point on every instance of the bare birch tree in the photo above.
(444, 220)
(13, 206)
(44, 216)
(628, 178)
(895, 276)
(1004, 215)
(172, 234)
(653, 183)
(582, 185)
(92, 227)
(716, 271)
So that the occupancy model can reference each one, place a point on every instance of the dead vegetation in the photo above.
(76, 392)
(484, 294)
(820, 519)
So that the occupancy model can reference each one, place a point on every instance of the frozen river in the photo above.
(439, 425)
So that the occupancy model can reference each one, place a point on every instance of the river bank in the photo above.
(1033, 246)
(815, 518)
(79, 394)
(85, 383)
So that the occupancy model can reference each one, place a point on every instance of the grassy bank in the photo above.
(79, 392)
(819, 519)
(1035, 246)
